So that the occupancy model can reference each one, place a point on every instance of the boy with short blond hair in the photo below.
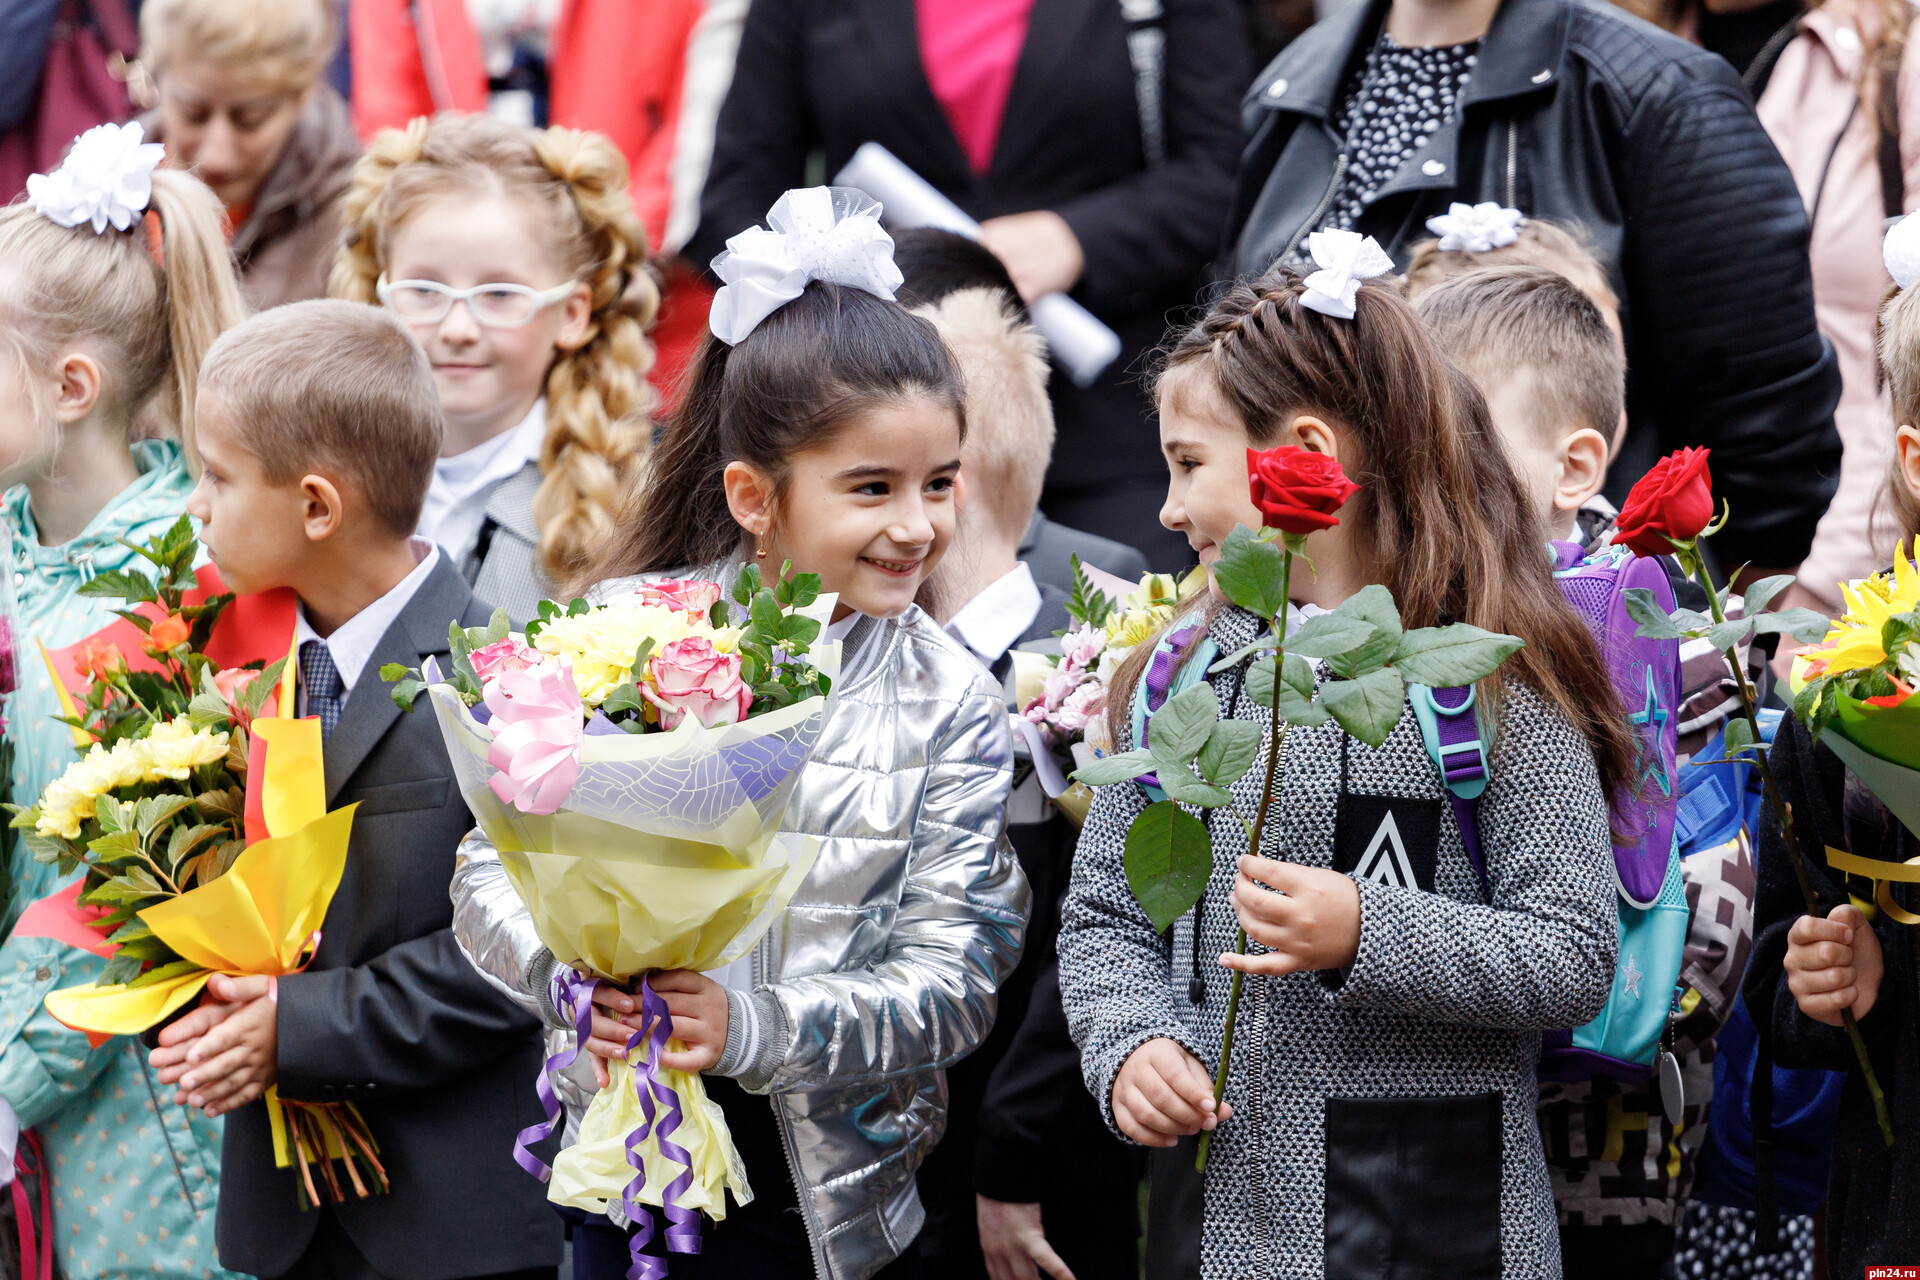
(319, 425)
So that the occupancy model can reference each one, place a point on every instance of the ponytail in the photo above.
(202, 295)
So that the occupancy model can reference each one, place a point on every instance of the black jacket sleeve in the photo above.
(1726, 352)
(414, 1016)
(1154, 232)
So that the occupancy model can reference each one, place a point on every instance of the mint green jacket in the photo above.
(135, 1177)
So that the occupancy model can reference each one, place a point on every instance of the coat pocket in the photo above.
(400, 797)
(1413, 1188)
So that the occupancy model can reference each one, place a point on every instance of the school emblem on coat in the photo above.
(1389, 840)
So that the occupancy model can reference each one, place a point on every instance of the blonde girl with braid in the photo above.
(515, 257)
(115, 279)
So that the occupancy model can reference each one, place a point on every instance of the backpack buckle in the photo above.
(1450, 730)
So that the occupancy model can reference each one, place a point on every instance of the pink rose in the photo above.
(691, 677)
(232, 683)
(689, 595)
(537, 733)
(502, 656)
(1081, 646)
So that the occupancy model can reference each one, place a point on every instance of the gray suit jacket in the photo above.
(1049, 547)
(503, 567)
(391, 1017)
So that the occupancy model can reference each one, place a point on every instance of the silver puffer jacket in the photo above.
(885, 968)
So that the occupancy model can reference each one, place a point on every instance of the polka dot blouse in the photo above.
(1402, 97)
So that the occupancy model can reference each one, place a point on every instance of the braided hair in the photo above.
(598, 401)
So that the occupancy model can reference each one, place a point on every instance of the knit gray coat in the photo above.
(1383, 1115)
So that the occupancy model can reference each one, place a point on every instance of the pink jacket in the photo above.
(1805, 108)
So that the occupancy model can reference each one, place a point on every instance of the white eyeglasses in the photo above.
(497, 306)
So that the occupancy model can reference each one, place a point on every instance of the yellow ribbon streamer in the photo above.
(1883, 874)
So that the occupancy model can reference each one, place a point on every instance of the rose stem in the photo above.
(1690, 556)
(1259, 827)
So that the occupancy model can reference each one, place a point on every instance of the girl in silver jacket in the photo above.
(828, 434)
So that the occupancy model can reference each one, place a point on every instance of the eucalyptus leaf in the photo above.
(1329, 634)
(1181, 726)
(1808, 626)
(1251, 573)
(1759, 595)
(1446, 657)
(1231, 750)
(1368, 707)
(1108, 770)
(1654, 622)
(1167, 858)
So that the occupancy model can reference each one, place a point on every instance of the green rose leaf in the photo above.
(1239, 655)
(1180, 784)
(1372, 603)
(1759, 595)
(1180, 727)
(1296, 707)
(1230, 751)
(1375, 652)
(1653, 620)
(1329, 634)
(1725, 635)
(1739, 736)
(1167, 859)
(1368, 707)
(1251, 573)
(1108, 770)
(1444, 657)
(1808, 626)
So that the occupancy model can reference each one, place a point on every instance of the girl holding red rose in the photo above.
(1393, 1004)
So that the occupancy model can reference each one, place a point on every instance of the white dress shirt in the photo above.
(352, 643)
(462, 485)
(994, 620)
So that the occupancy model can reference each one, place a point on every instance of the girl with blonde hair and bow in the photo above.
(114, 281)
(515, 257)
(821, 426)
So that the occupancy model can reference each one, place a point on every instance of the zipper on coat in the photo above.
(1319, 210)
(1513, 163)
(160, 1119)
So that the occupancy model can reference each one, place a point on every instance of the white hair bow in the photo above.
(1345, 259)
(1476, 228)
(107, 177)
(819, 233)
(1901, 251)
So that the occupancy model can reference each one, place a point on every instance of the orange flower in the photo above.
(99, 659)
(169, 631)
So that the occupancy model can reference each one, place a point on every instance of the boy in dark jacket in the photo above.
(319, 425)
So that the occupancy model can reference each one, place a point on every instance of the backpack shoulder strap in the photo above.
(1165, 676)
(1450, 729)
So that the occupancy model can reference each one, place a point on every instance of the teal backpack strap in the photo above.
(1165, 676)
(1450, 729)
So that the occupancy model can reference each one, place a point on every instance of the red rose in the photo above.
(1297, 490)
(1672, 503)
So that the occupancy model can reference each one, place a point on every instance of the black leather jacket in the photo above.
(1582, 114)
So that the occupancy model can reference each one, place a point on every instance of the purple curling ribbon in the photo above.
(1162, 667)
(574, 993)
(683, 1224)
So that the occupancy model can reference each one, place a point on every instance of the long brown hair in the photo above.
(598, 399)
(1441, 515)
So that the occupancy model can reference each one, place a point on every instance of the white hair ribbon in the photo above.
(1476, 228)
(1345, 259)
(1901, 251)
(107, 177)
(818, 233)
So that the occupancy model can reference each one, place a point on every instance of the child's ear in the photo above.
(323, 507)
(1582, 459)
(80, 386)
(749, 498)
(1906, 452)
(576, 313)
(1314, 435)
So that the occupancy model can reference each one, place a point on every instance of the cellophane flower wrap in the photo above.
(631, 762)
(1859, 693)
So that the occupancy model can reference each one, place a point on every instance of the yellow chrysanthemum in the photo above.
(600, 643)
(174, 749)
(1854, 642)
(73, 797)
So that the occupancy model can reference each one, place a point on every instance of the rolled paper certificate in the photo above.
(1083, 345)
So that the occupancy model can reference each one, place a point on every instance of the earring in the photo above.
(760, 553)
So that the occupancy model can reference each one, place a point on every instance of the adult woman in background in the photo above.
(243, 104)
(1027, 114)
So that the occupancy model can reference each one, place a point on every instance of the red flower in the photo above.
(1672, 503)
(1297, 491)
(169, 631)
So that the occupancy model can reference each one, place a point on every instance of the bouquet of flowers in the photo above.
(631, 761)
(199, 813)
(1857, 693)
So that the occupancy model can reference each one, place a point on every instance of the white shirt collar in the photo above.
(998, 615)
(456, 504)
(352, 643)
(839, 630)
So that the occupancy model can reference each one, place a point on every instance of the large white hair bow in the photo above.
(1345, 259)
(1476, 228)
(107, 177)
(1901, 251)
(819, 233)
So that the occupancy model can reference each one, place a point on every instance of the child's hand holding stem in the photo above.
(1162, 1094)
(697, 1004)
(1834, 966)
(1307, 917)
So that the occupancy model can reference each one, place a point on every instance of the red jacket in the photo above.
(614, 66)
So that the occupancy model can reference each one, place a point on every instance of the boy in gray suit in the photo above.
(318, 426)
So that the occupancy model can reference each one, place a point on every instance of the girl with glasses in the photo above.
(514, 256)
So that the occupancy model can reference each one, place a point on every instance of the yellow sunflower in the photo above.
(1854, 643)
